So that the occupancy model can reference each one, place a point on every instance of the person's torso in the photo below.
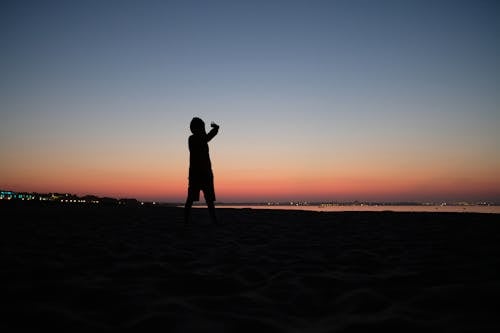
(199, 157)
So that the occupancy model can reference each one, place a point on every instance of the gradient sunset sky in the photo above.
(317, 100)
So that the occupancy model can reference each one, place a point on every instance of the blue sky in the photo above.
(310, 86)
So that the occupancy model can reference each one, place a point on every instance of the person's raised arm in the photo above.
(213, 132)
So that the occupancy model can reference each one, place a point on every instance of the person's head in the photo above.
(197, 126)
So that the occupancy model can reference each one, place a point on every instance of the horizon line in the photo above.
(262, 202)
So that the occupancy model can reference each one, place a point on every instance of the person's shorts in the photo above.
(207, 186)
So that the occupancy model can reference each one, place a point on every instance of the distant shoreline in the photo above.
(373, 208)
(337, 208)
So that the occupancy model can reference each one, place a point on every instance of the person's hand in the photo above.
(214, 125)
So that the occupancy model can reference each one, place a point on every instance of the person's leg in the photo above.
(209, 194)
(187, 209)
(211, 211)
(193, 195)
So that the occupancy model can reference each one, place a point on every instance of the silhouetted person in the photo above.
(201, 177)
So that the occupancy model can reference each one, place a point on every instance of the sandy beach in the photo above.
(124, 269)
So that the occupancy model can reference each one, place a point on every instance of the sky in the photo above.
(316, 100)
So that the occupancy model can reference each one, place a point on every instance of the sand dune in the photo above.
(105, 269)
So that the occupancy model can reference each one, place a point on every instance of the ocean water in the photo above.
(366, 208)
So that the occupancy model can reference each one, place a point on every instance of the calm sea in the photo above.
(359, 208)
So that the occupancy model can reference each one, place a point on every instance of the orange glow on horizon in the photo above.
(277, 182)
(263, 191)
